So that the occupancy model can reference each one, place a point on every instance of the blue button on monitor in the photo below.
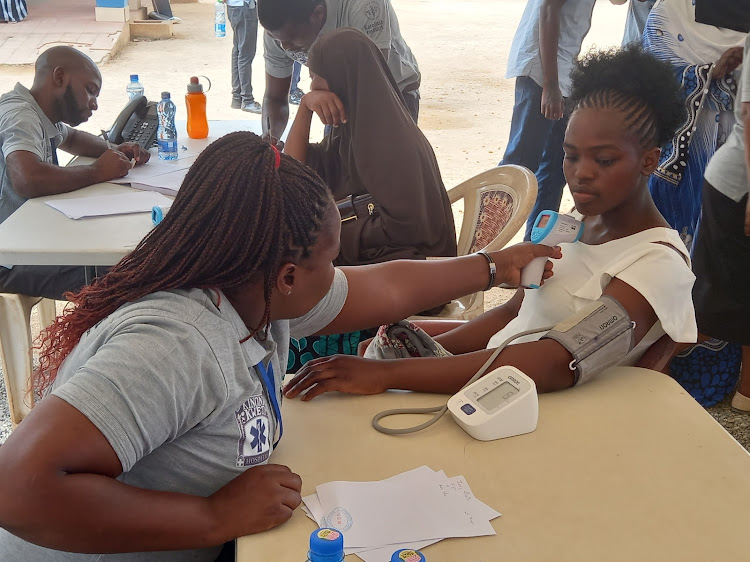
(468, 409)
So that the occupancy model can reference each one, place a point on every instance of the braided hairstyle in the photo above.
(235, 217)
(634, 82)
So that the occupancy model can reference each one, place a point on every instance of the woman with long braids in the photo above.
(162, 386)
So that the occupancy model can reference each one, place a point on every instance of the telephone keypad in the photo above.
(141, 132)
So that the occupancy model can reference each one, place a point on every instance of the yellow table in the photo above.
(627, 467)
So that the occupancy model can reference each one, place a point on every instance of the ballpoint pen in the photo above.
(110, 147)
(106, 139)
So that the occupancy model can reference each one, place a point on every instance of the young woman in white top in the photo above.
(163, 383)
(626, 105)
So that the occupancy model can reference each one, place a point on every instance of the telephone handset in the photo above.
(137, 123)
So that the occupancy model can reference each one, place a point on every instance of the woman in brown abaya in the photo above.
(377, 163)
(375, 156)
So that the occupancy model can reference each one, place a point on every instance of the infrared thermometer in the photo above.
(550, 228)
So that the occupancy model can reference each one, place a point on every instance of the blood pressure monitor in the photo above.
(502, 403)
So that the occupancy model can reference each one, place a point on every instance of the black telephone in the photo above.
(137, 123)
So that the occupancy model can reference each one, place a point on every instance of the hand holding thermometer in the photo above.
(550, 229)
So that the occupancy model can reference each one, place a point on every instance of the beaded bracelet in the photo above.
(493, 268)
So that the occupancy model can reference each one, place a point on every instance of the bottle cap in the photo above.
(165, 96)
(194, 85)
(134, 78)
(326, 543)
(407, 555)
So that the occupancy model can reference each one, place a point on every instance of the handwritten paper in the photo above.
(410, 510)
(165, 176)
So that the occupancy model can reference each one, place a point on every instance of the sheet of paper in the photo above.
(115, 204)
(166, 183)
(406, 508)
(315, 510)
(164, 174)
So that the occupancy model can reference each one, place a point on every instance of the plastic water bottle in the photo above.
(166, 133)
(326, 545)
(134, 88)
(220, 19)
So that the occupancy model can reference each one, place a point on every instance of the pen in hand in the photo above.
(106, 139)
(110, 147)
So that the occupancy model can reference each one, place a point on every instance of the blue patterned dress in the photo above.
(13, 10)
(672, 35)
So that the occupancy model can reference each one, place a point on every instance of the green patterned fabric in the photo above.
(305, 349)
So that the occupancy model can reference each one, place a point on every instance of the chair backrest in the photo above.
(496, 205)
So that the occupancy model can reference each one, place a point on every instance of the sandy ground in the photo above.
(461, 47)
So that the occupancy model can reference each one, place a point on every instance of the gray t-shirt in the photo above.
(726, 170)
(24, 126)
(374, 18)
(179, 399)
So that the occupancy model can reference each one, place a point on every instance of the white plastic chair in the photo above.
(496, 205)
(15, 349)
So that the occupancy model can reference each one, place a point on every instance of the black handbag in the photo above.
(356, 207)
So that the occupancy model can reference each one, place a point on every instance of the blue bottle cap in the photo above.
(326, 544)
(157, 215)
(407, 555)
(134, 78)
(165, 95)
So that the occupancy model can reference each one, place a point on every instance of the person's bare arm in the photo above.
(31, 177)
(298, 139)
(728, 62)
(327, 106)
(549, 34)
(475, 334)
(545, 361)
(404, 287)
(58, 490)
(81, 143)
(275, 107)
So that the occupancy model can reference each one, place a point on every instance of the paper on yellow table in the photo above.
(418, 505)
(114, 204)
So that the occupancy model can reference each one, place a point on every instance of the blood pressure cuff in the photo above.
(597, 336)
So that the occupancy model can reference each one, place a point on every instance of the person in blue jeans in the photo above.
(243, 17)
(295, 92)
(635, 22)
(546, 43)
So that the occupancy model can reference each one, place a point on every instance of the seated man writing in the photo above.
(33, 124)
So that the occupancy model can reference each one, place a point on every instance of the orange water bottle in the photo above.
(197, 124)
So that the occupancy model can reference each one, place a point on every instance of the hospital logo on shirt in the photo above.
(372, 10)
(254, 446)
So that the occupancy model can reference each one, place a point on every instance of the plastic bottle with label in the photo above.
(134, 88)
(326, 545)
(407, 555)
(220, 19)
(195, 100)
(166, 133)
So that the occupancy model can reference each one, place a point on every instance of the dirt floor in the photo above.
(461, 47)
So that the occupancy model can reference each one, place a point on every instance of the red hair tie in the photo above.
(278, 157)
